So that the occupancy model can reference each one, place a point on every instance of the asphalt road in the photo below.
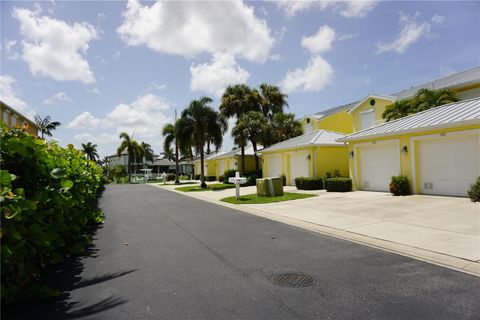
(162, 255)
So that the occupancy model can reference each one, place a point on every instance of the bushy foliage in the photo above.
(170, 177)
(118, 174)
(474, 191)
(48, 197)
(305, 183)
(221, 178)
(338, 184)
(197, 177)
(399, 186)
(228, 174)
(210, 178)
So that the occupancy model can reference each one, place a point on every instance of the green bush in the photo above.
(221, 178)
(304, 183)
(197, 177)
(119, 174)
(284, 179)
(338, 184)
(474, 191)
(170, 177)
(228, 174)
(48, 198)
(399, 186)
(210, 178)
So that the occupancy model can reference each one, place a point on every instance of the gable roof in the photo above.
(331, 111)
(375, 96)
(313, 138)
(450, 115)
(455, 80)
(235, 152)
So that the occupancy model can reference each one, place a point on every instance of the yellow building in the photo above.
(312, 154)
(437, 149)
(11, 118)
(336, 119)
(233, 160)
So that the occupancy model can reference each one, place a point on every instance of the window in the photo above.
(368, 118)
(5, 117)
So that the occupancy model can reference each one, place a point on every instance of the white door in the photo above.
(274, 166)
(298, 166)
(447, 166)
(378, 163)
(221, 167)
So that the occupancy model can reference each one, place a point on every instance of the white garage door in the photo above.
(378, 163)
(221, 167)
(274, 166)
(298, 166)
(448, 166)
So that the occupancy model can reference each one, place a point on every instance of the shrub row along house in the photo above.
(437, 149)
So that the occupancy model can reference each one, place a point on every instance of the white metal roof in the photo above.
(235, 152)
(454, 114)
(313, 138)
(374, 96)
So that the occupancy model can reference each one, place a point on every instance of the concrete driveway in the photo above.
(441, 230)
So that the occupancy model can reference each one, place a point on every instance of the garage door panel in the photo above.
(274, 166)
(378, 163)
(298, 166)
(221, 167)
(448, 166)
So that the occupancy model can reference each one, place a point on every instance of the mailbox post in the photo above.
(237, 180)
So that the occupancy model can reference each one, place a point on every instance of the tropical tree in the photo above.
(253, 126)
(46, 125)
(147, 152)
(272, 100)
(237, 100)
(133, 149)
(425, 99)
(198, 124)
(397, 110)
(90, 151)
(283, 126)
(169, 133)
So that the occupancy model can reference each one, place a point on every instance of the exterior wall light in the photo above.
(404, 150)
(309, 157)
(351, 154)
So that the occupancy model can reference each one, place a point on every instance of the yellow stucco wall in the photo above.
(405, 159)
(379, 108)
(339, 122)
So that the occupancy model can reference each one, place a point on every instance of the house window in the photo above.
(14, 120)
(368, 118)
(5, 117)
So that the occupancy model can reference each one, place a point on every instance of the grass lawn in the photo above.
(254, 199)
(210, 187)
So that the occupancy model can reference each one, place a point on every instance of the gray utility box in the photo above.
(270, 187)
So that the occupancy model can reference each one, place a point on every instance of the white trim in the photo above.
(436, 136)
(391, 98)
(367, 111)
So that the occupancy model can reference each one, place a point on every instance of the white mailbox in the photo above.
(237, 180)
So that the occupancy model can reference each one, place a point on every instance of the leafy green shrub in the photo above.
(474, 191)
(119, 174)
(197, 177)
(284, 179)
(304, 183)
(221, 178)
(211, 178)
(228, 174)
(399, 186)
(48, 198)
(170, 177)
(338, 184)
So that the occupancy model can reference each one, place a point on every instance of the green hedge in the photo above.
(228, 174)
(474, 191)
(48, 197)
(304, 183)
(338, 184)
(399, 186)
(210, 178)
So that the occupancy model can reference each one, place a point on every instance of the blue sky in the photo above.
(102, 67)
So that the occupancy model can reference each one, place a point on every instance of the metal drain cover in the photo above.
(292, 280)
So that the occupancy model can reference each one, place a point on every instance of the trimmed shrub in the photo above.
(197, 177)
(170, 177)
(228, 174)
(338, 184)
(284, 179)
(49, 197)
(399, 186)
(305, 183)
(210, 178)
(474, 191)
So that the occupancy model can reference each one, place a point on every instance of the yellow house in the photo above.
(11, 118)
(312, 154)
(208, 169)
(437, 149)
(336, 119)
(233, 160)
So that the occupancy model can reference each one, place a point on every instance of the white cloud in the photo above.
(191, 28)
(103, 138)
(216, 76)
(54, 48)
(348, 9)
(156, 86)
(316, 75)
(84, 120)
(438, 19)
(9, 93)
(411, 31)
(321, 41)
(57, 97)
(10, 48)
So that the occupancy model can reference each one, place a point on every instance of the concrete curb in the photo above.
(443, 260)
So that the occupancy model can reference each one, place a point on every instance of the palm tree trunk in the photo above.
(208, 147)
(242, 171)
(176, 162)
(129, 169)
(254, 145)
(202, 170)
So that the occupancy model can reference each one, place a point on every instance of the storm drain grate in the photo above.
(292, 280)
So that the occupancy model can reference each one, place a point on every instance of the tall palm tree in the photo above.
(198, 124)
(147, 153)
(169, 133)
(46, 126)
(237, 100)
(283, 126)
(425, 99)
(397, 110)
(272, 100)
(133, 149)
(90, 151)
(252, 125)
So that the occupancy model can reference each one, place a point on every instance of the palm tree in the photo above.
(283, 126)
(90, 151)
(147, 153)
(425, 99)
(46, 126)
(397, 110)
(236, 101)
(272, 100)
(198, 124)
(170, 136)
(133, 149)
(252, 125)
